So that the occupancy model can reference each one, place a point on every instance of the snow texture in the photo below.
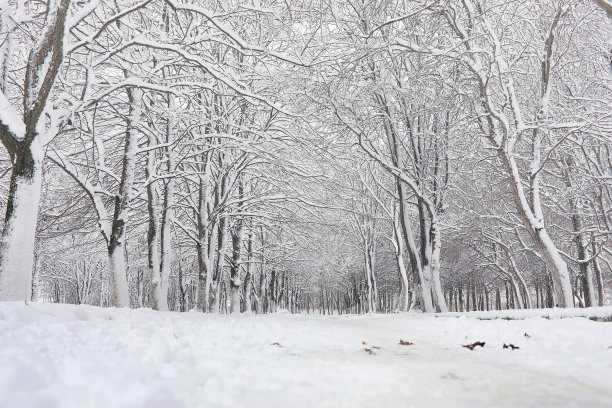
(10, 118)
(82, 356)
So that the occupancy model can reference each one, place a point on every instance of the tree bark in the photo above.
(18, 236)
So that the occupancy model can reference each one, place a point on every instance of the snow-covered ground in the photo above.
(81, 356)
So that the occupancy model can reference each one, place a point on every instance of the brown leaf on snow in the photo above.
(369, 351)
(405, 343)
(471, 346)
(511, 346)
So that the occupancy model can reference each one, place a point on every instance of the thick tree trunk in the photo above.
(118, 283)
(19, 233)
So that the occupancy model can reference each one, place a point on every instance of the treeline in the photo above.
(338, 157)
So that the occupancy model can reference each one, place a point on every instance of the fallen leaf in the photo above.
(405, 343)
(471, 346)
(511, 346)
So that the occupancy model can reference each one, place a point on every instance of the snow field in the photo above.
(83, 356)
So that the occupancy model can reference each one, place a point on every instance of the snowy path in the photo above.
(80, 356)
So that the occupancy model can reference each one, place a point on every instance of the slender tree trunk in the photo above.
(235, 281)
(206, 244)
(398, 243)
(236, 262)
(167, 216)
(248, 278)
(218, 277)
(152, 234)
(598, 275)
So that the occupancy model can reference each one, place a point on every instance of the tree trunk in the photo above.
(167, 214)
(236, 263)
(152, 233)
(586, 274)
(118, 283)
(434, 234)
(116, 246)
(22, 138)
(19, 234)
(598, 275)
(206, 239)
(539, 235)
(235, 282)
(217, 278)
(248, 278)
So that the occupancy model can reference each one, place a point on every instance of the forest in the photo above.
(306, 156)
